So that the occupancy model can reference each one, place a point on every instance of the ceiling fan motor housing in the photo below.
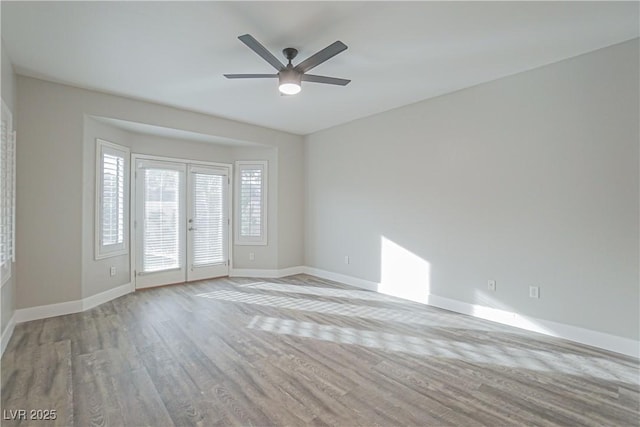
(290, 53)
(290, 75)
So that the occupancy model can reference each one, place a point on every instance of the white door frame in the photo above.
(133, 195)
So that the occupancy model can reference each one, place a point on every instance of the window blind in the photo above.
(161, 215)
(208, 219)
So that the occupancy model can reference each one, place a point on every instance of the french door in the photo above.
(208, 222)
(181, 222)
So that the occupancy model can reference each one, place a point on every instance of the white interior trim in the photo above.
(7, 333)
(602, 340)
(5, 279)
(69, 307)
(337, 277)
(49, 310)
(106, 296)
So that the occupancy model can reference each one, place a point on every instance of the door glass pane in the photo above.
(162, 230)
(208, 219)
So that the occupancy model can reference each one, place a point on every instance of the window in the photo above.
(7, 194)
(112, 199)
(251, 194)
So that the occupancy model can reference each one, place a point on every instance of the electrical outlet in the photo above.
(534, 292)
(252, 256)
(112, 271)
(491, 285)
(346, 259)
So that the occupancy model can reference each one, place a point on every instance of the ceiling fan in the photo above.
(290, 77)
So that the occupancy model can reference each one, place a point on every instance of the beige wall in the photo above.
(527, 180)
(291, 209)
(56, 170)
(8, 93)
(96, 276)
(8, 88)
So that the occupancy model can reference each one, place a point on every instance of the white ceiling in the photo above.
(175, 53)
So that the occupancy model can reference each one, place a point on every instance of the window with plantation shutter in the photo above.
(251, 211)
(112, 199)
(7, 194)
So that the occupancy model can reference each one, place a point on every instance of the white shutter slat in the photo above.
(12, 213)
(113, 176)
(4, 175)
(161, 216)
(7, 194)
(251, 199)
(208, 219)
(112, 165)
(250, 202)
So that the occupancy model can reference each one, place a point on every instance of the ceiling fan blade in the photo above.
(250, 76)
(324, 79)
(255, 46)
(317, 59)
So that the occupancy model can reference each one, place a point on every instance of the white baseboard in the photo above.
(337, 277)
(266, 273)
(590, 337)
(69, 307)
(547, 327)
(7, 333)
(49, 310)
(106, 296)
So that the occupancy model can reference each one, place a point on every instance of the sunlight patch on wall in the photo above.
(403, 274)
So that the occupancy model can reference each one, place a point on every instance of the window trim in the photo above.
(118, 249)
(263, 239)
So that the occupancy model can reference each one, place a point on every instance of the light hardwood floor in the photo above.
(304, 351)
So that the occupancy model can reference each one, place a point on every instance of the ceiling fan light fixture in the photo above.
(290, 82)
(290, 88)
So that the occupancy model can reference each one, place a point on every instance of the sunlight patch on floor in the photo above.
(426, 317)
(321, 291)
(500, 355)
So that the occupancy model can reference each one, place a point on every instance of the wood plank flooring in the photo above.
(302, 351)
